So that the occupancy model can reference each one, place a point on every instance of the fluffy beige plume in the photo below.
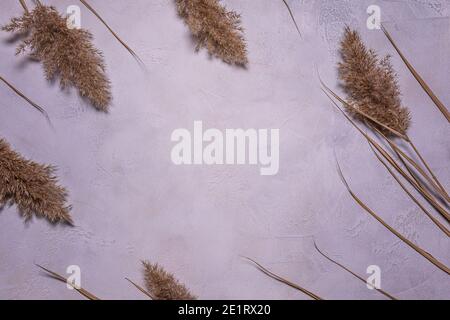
(65, 53)
(31, 186)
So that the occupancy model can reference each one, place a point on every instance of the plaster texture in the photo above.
(131, 203)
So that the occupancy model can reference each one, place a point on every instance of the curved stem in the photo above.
(24, 5)
(354, 274)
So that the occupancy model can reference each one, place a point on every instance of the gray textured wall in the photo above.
(131, 203)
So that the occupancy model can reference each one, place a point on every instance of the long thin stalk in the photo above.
(436, 221)
(284, 281)
(140, 289)
(90, 8)
(20, 94)
(386, 155)
(416, 183)
(437, 186)
(419, 79)
(24, 5)
(402, 157)
(58, 277)
(292, 17)
(445, 193)
(355, 274)
(412, 245)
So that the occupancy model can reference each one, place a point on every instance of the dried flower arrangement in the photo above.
(32, 187)
(65, 53)
(215, 29)
(374, 98)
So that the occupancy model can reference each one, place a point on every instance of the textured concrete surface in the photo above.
(131, 203)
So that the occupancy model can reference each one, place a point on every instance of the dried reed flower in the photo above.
(31, 186)
(215, 28)
(67, 53)
(163, 285)
(371, 85)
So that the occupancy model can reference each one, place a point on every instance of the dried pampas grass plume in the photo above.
(31, 186)
(215, 28)
(371, 85)
(163, 285)
(67, 53)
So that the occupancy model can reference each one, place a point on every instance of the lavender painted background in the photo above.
(131, 203)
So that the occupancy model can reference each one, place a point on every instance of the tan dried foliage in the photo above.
(215, 28)
(31, 186)
(163, 285)
(65, 53)
(371, 85)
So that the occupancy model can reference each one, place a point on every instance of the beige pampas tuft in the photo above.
(163, 285)
(215, 28)
(67, 53)
(371, 85)
(31, 186)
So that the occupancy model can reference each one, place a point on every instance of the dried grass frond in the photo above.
(163, 285)
(65, 53)
(440, 225)
(23, 96)
(145, 292)
(127, 47)
(406, 175)
(215, 29)
(371, 84)
(408, 242)
(417, 76)
(354, 274)
(430, 177)
(60, 278)
(32, 187)
(293, 18)
(24, 5)
(284, 281)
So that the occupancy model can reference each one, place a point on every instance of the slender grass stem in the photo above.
(58, 277)
(140, 289)
(419, 79)
(90, 8)
(411, 244)
(284, 281)
(354, 274)
(24, 5)
(292, 17)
